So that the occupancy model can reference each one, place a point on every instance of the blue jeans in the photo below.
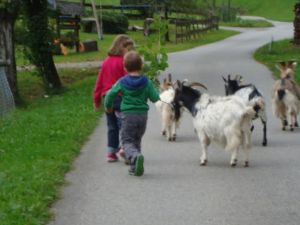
(113, 127)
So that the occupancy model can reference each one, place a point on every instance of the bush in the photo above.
(113, 23)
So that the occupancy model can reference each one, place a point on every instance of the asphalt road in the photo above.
(175, 190)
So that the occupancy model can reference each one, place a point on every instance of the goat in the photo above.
(225, 120)
(166, 109)
(251, 96)
(285, 102)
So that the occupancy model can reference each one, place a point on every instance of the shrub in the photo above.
(113, 23)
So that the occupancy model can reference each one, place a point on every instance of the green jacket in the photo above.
(135, 92)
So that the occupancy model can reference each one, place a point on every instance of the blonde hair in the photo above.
(120, 42)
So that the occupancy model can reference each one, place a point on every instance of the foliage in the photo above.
(155, 56)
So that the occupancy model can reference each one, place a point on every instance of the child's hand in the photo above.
(96, 106)
(109, 110)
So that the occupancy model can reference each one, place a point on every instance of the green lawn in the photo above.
(139, 38)
(279, 51)
(273, 9)
(247, 23)
(38, 144)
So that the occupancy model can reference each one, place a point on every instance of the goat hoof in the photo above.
(174, 139)
(246, 164)
(234, 163)
(264, 143)
(204, 163)
(163, 133)
(291, 129)
(169, 139)
(283, 128)
(296, 124)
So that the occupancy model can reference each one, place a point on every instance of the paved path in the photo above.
(175, 190)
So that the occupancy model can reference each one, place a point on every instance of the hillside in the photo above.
(272, 9)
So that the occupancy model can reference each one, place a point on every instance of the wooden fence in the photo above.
(188, 29)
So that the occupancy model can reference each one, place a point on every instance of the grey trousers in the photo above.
(132, 130)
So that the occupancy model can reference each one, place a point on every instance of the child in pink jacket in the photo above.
(111, 70)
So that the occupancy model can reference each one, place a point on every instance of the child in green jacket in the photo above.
(135, 89)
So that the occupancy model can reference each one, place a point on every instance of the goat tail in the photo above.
(281, 93)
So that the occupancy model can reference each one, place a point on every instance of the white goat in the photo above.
(166, 109)
(225, 120)
(251, 96)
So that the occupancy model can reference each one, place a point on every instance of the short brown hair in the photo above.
(120, 42)
(133, 61)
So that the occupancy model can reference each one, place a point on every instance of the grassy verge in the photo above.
(247, 23)
(281, 10)
(37, 146)
(278, 51)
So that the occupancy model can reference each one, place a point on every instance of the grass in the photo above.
(272, 9)
(279, 51)
(247, 23)
(37, 146)
(139, 38)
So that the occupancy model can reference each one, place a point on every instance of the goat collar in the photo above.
(170, 104)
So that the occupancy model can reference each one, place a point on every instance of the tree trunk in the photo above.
(41, 42)
(7, 21)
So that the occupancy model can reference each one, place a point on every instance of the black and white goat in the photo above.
(166, 109)
(251, 96)
(225, 120)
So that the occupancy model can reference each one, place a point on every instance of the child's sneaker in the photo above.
(137, 167)
(111, 157)
(123, 156)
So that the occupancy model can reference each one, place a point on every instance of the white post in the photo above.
(97, 19)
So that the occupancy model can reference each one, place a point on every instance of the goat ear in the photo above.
(238, 77)
(278, 67)
(224, 79)
(179, 85)
(292, 64)
(282, 64)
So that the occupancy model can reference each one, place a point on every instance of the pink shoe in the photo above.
(123, 156)
(111, 157)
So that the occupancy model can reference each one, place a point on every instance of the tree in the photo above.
(40, 42)
(8, 14)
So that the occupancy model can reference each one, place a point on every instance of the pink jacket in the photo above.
(111, 70)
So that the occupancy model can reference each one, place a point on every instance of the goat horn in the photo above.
(170, 78)
(228, 77)
(197, 84)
